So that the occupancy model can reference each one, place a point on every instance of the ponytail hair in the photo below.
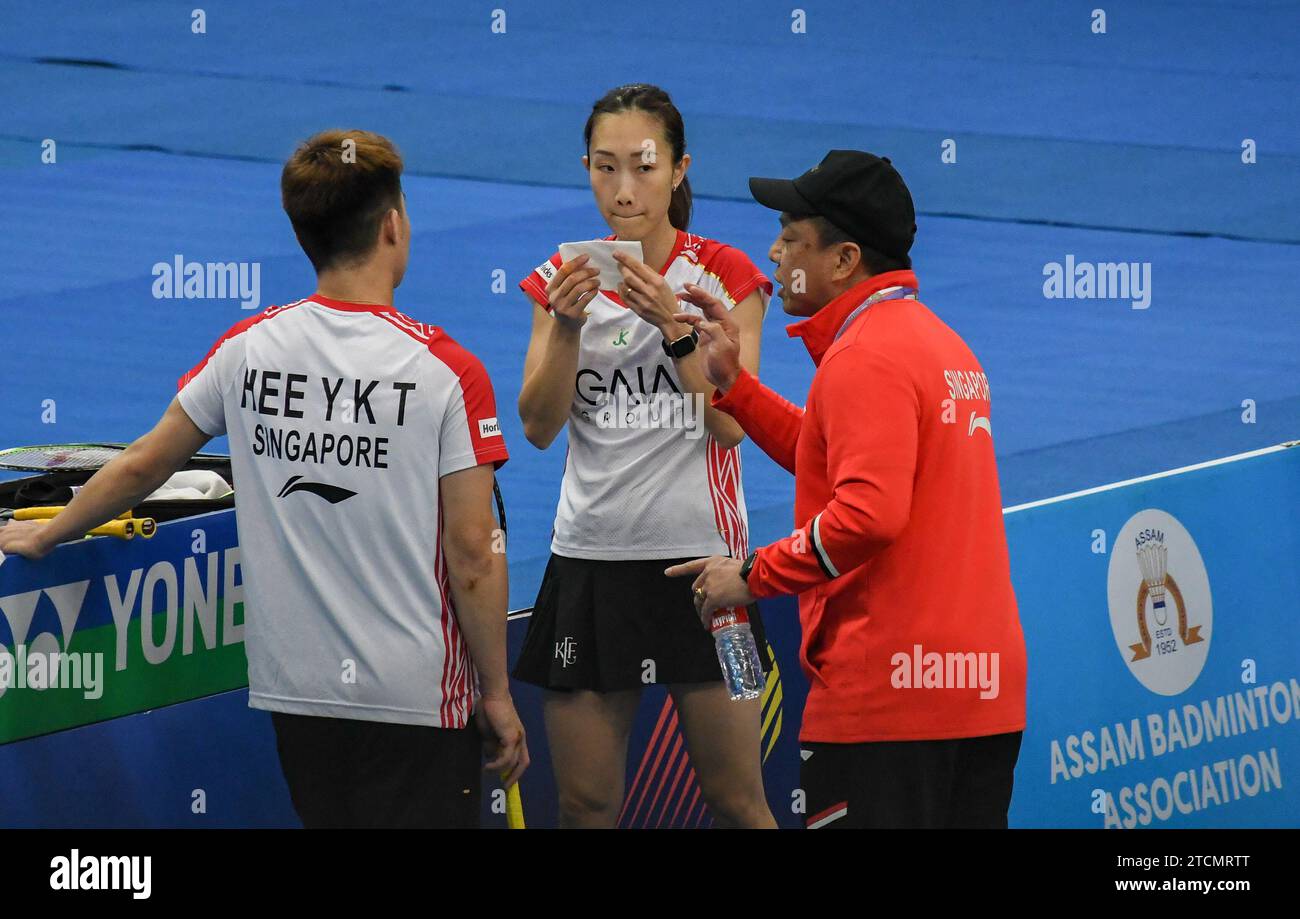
(679, 209)
(652, 100)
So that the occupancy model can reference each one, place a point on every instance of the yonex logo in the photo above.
(489, 427)
(44, 662)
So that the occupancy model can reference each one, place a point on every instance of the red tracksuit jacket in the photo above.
(910, 628)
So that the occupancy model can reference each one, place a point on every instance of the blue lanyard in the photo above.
(889, 293)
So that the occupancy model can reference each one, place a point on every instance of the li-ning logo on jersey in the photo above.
(489, 427)
(978, 423)
(331, 493)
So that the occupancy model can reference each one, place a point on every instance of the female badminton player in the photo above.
(652, 476)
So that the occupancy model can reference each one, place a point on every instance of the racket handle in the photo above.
(121, 529)
(45, 513)
(514, 807)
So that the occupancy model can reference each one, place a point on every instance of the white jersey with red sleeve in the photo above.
(643, 478)
(342, 417)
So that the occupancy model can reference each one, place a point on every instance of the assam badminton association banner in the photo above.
(1162, 620)
(1161, 617)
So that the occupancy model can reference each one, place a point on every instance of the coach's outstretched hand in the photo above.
(504, 745)
(719, 336)
(718, 585)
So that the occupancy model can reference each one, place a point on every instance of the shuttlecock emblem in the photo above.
(1153, 558)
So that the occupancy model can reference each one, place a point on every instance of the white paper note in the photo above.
(600, 254)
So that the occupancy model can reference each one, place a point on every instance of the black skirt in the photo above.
(615, 625)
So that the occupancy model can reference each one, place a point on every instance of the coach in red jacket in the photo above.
(911, 639)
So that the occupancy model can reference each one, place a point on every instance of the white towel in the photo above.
(187, 485)
(192, 485)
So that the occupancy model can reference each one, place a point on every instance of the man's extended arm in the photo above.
(770, 420)
(766, 417)
(122, 484)
(869, 415)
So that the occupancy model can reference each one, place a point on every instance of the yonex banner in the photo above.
(105, 628)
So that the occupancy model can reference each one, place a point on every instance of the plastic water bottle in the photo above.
(738, 653)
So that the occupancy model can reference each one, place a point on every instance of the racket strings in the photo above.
(54, 457)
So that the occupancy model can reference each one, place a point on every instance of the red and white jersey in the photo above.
(643, 478)
(342, 417)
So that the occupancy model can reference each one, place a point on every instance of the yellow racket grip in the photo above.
(514, 807)
(121, 529)
(45, 513)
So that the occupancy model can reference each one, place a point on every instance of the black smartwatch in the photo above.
(681, 346)
(747, 566)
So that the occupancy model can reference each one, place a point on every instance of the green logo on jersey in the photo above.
(621, 341)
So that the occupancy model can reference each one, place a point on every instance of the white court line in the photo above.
(1153, 476)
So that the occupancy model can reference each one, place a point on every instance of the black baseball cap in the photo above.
(860, 193)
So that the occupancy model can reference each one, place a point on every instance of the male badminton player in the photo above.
(363, 447)
(900, 557)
